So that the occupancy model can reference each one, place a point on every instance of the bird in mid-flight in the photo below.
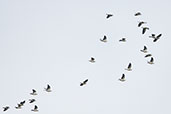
(22, 103)
(137, 14)
(31, 100)
(33, 92)
(5, 108)
(35, 108)
(122, 79)
(109, 15)
(18, 106)
(144, 49)
(48, 89)
(157, 37)
(152, 36)
(104, 39)
(92, 60)
(151, 61)
(148, 55)
(122, 40)
(84, 82)
(129, 67)
(144, 29)
(141, 22)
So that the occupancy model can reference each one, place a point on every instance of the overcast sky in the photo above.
(50, 42)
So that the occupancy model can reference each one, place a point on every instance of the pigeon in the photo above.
(104, 39)
(5, 108)
(157, 37)
(148, 55)
(22, 103)
(48, 89)
(92, 60)
(31, 100)
(152, 36)
(144, 50)
(122, 79)
(18, 106)
(151, 61)
(129, 67)
(122, 40)
(33, 92)
(35, 108)
(137, 14)
(84, 82)
(141, 22)
(109, 15)
(144, 29)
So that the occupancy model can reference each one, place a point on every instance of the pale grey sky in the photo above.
(50, 42)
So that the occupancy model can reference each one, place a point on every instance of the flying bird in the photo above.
(151, 61)
(144, 29)
(129, 67)
(18, 106)
(35, 108)
(104, 39)
(148, 55)
(157, 37)
(22, 103)
(144, 49)
(31, 100)
(33, 92)
(137, 14)
(152, 36)
(92, 60)
(109, 15)
(84, 82)
(122, 40)
(141, 22)
(48, 89)
(122, 79)
(5, 108)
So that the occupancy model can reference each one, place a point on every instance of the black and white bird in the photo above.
(109, 15)
(48, 88)
(31, 100)
(18, 106)
(33, 92)
(137, 14)
(104, 39)
(151, 61)
(157, 37)
(122, 79)
(5, 108)
(35, 108)
(84, 82)
(144, 29)
(22, 103)
(141, 23)
(148, 55)
(92, 60)
(122, 40)
(144, 49)
(129, 68)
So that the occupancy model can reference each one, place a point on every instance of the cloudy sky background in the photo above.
(50, 42)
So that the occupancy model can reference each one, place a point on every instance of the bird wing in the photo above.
(123, 76)
(129, 66)
(143, 31)
(48, 86)
(159, 36)
(35, 107)
(145, 48)
(152, 59)
(85, 81)
(33, 90)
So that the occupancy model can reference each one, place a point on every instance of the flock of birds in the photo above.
(92, 60)
(33, 93)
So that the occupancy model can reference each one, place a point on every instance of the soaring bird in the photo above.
(141, 22)
(22, 103)
(144, 49)
(35, 108)
(84, 82)
(33, 92)
(157, 37)
(109, 15)
(148, 55)
(151, 61)
(31, 100)
(122, 79)
(18, 106)
(104, 39)
(5, 108)
(129, 67)
(122, 40)
(144, 29)
(152, 36)
(48, 89)
(137, 14)
(92, 60)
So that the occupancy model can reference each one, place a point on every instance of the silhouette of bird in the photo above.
(151, 61)
(122, 40)
(148, 55)
(48, 89)
(144, 49)
(31, 100)
(137, 14)
(5, 108)
(33, 92)
(122, 79)
(35, 108)
(84, 82)
(104, 39)
(144, 29)
(18, 106)
(157, 37)
(109, 15)
(92, 60)
(152, 36)
(129, 67)
(141, 22)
